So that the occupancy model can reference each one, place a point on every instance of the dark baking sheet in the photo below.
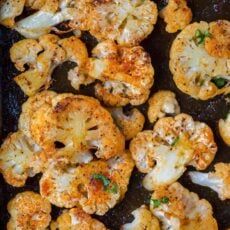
(157, 44)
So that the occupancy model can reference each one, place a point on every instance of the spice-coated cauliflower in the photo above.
(177, 15)
(173, 144)
(161, 104)
(19, 159)
(224, 129)
(130, 124)
(28, 210)
(195, 71)
(75, 218)
(96, 186)
(125, 74)
(42, 57)
(178, 208)
(219, 180)
(143, 220)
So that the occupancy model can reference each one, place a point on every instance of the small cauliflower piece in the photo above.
(196, 70)
(178, 208)
(174, 143)
(28, 210)
(161, 104)
(224, 129)
(177, 15)
(125, 74)
(130, 124)
(143, 220)
(219, 181)
(75, 218)
(97, 186)
(19, 159)
(9, 10)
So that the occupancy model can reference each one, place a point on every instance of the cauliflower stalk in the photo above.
(224, 129)
(173, 144)
(219, 181)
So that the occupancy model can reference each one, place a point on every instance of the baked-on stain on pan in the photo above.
(158, 45)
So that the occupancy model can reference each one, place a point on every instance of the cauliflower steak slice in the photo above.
(174, 143)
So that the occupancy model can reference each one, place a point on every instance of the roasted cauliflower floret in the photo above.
(19, 159)
(218, 181)
(77, 122)
(76, 219)
(125, 74)
(9, 10)
(130, 124)
(42, 57)
(96, 186)
(161, 104)
(173, 144)
(28, 210)
(194, 70)
(143, 220)
(177, 208)
(224, 129)
(177, 15)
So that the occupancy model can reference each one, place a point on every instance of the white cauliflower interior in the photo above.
(194, 70)
(19, 159)
(28, 210)
(177, 208)
(143, 219)
(219, 181)
(224, 129)
(173, 144)
(161, 104)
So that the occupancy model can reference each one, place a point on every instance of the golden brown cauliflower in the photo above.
(219, 180)
(75, 218)
(178, 208)
(143, 220)
(19, 159)
(161, 104)
(224, 129)
(42, 57)
(97, 186)
(174, 143)
(125, 74)
(130, 124)
(194, 70)
(177, 15)
(29, 211)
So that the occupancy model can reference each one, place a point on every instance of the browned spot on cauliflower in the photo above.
(177, 15)
(76, 219)
(19, 159)
(130, 124)
(183, 209)
(161, 104)
(28, 210)
(219, 181)
(173, 144)
(224, 129)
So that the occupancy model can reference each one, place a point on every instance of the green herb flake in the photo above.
(155, 203)
(164, 200)
(200, 36)
(219, 82)
(175, 141)
(106, 182)
(113, 188)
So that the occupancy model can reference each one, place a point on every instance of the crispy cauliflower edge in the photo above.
(224, 129)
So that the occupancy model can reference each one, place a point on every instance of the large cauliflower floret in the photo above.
(177, 15)
(126, 74)
(130, 124)
(96, 186)
(194, 70)
(177, 208)
(173, 144)
(143, 220)
(76, 219)
(19, 159)
(78, 122)
(28, 210)
(219, 180)
(161, 104)
(224, 129)
(42, 57)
